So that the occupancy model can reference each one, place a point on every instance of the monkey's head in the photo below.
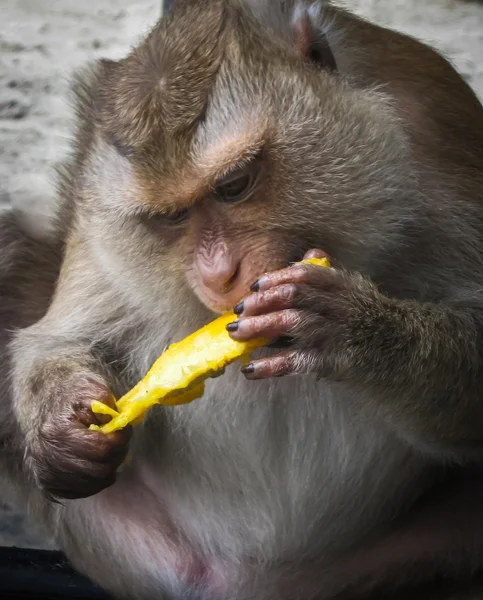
(226, 145)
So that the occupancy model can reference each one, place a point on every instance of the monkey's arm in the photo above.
(421, 365)
(55, 377)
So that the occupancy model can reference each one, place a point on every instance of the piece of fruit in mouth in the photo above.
(179, 374)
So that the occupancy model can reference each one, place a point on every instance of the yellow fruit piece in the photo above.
(319, 262)
(178, 376)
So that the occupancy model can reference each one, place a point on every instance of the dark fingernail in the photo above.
(238, 308)
(255, 286)
(231, 327)
(248, 370)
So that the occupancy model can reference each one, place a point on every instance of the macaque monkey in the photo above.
(236, 139)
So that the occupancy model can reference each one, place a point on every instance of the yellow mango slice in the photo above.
(178, 376)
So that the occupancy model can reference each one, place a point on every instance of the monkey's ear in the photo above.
(309, 41)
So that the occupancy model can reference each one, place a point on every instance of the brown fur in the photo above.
(366, 144)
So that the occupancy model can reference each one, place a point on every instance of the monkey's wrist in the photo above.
(398, 343)
(56, 389)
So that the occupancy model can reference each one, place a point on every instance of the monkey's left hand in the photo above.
(326, 313)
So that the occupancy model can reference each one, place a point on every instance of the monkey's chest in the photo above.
(267, 471)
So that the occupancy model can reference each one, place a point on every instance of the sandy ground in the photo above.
(43, 41)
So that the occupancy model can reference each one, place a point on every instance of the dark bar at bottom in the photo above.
(42, 575)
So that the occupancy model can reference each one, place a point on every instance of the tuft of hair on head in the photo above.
(157, 96)
(161, 89)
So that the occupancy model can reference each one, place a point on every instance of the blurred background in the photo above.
(43, 41)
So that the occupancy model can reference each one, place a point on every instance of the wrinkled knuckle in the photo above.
(288, 292)
(257, 300)
(257, 325)
(79, 403)
(90, 388)
(302, 273)
(83, 415)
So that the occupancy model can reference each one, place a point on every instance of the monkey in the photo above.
(342, 462)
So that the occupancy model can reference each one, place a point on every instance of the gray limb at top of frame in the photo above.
(165, 6)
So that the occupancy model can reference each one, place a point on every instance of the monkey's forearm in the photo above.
(426, 362)
(55, 377)
(60, 345)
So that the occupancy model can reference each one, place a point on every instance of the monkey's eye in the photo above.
(237, 185)
(172, 217)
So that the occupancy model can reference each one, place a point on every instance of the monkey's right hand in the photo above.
(67, 460)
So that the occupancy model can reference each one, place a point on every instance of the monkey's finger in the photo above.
(285, 296)
(271, 326)
(316, 253)
(77, 442)
(73, 483)
(298, 273)
(87, 416)
(285, 363)
(92, 393)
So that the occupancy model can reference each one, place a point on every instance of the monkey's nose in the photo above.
(220, 277)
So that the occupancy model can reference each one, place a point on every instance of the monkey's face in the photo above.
(212, 226)
(215, 167)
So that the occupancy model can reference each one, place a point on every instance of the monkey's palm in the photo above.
(323, 311)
